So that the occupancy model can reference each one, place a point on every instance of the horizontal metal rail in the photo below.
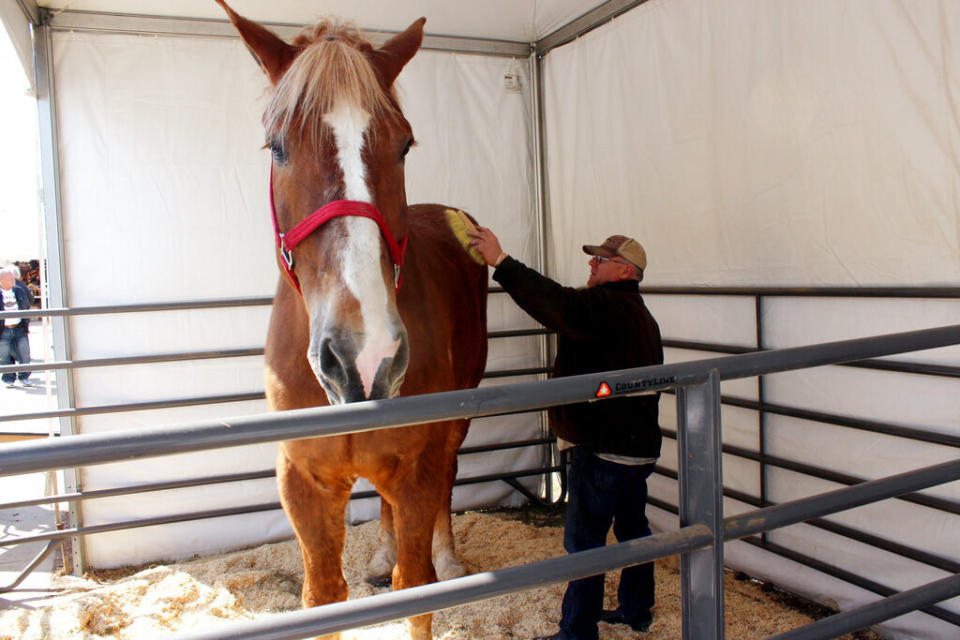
(823, 504)
(919, 368)
(884, 609)
(513, 373)
(797, 292)
(101, 448)
(192, 355)
(918, 555)
(128, 360)
(73, 532)
(62, 534)
(846, 576)
(70, 20)
(233, 477)
(873, 426)
(179, 305)
(405, 603)
(141, 488)
(904, 551)
(883, 365)
(807, 292)
(201, 400)
(932, 502)
(941, 504)
(589, 21)
(134, 406)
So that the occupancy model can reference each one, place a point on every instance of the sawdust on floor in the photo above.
(161, 600)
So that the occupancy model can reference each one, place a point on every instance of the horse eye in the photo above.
(406, 148)
(279, 153)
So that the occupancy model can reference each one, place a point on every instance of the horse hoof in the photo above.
(448, 567)
(379, 582)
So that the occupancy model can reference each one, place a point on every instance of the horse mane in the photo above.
(332, 65)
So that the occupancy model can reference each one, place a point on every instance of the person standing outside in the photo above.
(605, 326)
(14, 336)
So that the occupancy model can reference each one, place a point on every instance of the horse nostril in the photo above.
(329, 360)
(402, 359)
(392, 371)
(334, 364)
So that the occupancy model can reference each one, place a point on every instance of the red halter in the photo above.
(286, 242)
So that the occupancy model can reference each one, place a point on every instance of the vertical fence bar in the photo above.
(535, 91)
(761, 410)
(54, 260)
(701, 501)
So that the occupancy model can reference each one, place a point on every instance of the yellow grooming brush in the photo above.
(461, 225)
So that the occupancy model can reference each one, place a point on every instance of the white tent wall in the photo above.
(788, 142)
(748, 142)
(16, 20)
(164, 190)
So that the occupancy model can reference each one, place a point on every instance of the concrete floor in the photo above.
(24, 521)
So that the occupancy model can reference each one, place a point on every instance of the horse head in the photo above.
(338, 140)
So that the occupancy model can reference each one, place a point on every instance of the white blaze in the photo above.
(361, 261)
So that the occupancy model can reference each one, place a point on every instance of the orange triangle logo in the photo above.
(604, 390)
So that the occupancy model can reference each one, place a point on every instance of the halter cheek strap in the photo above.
(286, 242)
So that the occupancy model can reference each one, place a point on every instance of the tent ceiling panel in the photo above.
(515, 20)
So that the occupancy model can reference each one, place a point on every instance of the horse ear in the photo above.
(273, 54)
(397, 52)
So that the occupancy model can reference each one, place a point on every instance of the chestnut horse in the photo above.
(376, 299)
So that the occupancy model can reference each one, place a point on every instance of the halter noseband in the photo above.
(286, 242)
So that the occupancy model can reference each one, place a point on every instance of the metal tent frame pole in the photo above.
(56, 258)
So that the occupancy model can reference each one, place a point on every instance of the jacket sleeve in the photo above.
(29, 296)
(556, 307)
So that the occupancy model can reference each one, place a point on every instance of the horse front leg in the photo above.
(444, 552)
(415, 505)
(443, 548)
(380, 567)
(316, 511)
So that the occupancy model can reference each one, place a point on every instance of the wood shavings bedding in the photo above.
(243, 585)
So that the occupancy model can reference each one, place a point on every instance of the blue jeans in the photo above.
(14, 347)
(604, 493)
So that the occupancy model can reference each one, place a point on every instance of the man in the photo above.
(14, 337)
(9, 378)
(605, 326)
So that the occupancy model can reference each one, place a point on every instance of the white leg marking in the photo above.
(447, 566)
(384, 559)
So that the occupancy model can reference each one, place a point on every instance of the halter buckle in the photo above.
(396, 276)
(286, 255)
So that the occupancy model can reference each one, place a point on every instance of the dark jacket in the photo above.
(601, 328)
(24, 298)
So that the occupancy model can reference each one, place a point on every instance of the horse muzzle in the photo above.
(352, 367)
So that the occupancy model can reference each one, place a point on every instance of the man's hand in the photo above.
(486, 242)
